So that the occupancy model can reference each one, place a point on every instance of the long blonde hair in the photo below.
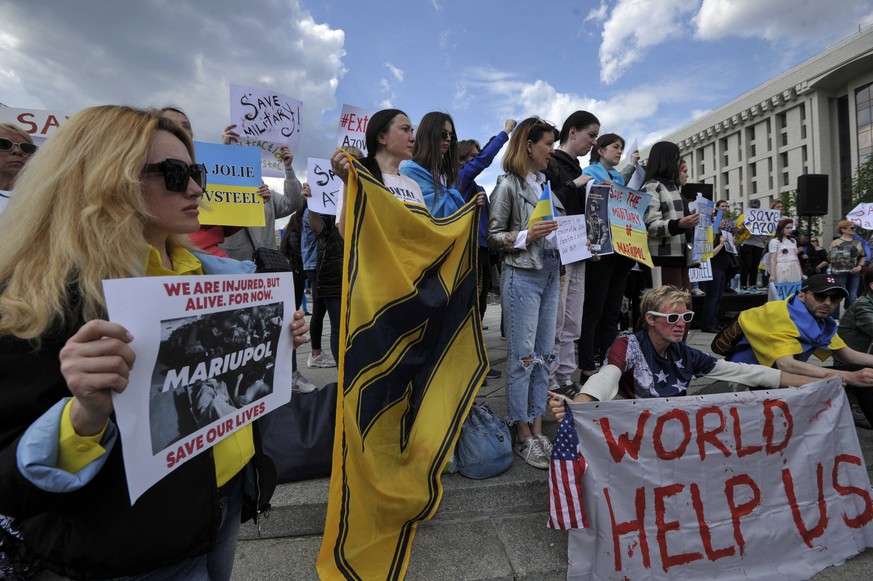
(76, 218)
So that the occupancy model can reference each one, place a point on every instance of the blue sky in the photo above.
(644, 67)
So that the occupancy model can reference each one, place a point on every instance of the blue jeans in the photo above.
(530, 307)
(849, 281)
(217, 564)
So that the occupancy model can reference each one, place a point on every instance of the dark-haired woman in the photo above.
(784, 264)
(668, 218)
(390, 139)
(530, 282)
(577, 136)
(434, 164)
(607, 278)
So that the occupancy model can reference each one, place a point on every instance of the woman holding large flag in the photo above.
(113, 194)
(390, 139)
(522, 226)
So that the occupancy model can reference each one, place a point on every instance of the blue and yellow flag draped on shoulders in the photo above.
(412, 358)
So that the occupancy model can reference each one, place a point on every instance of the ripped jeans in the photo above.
(530, 307)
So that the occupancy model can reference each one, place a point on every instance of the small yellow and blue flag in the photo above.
(545, 209)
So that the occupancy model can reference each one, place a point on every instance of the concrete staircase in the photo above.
(485, 529)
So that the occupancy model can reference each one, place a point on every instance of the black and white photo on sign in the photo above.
(209, 366)
(213, 354)
(728, 239)
(597, 220)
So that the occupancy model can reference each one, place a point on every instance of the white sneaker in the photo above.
(532, 452)
(300, 384)
(323, 359)
(546, 444)
(697, 291)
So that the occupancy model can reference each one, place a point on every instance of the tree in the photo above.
(862, 184)
(789, 200)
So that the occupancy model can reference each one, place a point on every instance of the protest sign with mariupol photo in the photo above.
(748, 485)
(213, 353)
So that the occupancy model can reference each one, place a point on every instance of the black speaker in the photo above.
(812, 194)
(690, 191)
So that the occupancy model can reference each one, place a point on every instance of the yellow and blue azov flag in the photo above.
(412, 358)
(545, 208)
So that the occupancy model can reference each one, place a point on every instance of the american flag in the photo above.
(565, 479)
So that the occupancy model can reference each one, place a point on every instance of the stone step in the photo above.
(517, 546)
(299, 508)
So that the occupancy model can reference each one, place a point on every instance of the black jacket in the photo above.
(563, 168)
(94, 532)
(330, 260)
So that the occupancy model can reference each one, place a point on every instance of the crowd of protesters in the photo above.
(126, 204)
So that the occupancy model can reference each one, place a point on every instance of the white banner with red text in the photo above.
(747, 485)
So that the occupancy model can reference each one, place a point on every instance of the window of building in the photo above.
(754, 187)
(783, 120)
(785, 180)
(864, 119)
(770, 182)
(803, 131)
(753, 168)
(753, 151)
(726, 177)
(785, 138)
(802, 108)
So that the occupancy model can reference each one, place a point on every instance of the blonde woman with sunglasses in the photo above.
(113, 194)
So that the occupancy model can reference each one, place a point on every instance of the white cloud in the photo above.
(69, 60)
(511, 97)
(633, 27)
(597, 14)
(794, 21)
(396, 72)
(445, 40)
(636, 26)
(437, 5)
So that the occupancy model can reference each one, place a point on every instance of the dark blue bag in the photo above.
(484, 448)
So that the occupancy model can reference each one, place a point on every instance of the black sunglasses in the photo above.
(25, 147)
(448, 135)
(177, 172)
(821, 297)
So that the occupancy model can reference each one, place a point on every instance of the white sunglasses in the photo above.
(673, 318)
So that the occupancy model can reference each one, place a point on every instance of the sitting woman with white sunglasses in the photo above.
(654, 362)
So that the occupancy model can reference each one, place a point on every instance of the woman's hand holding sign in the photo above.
(95, 362)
